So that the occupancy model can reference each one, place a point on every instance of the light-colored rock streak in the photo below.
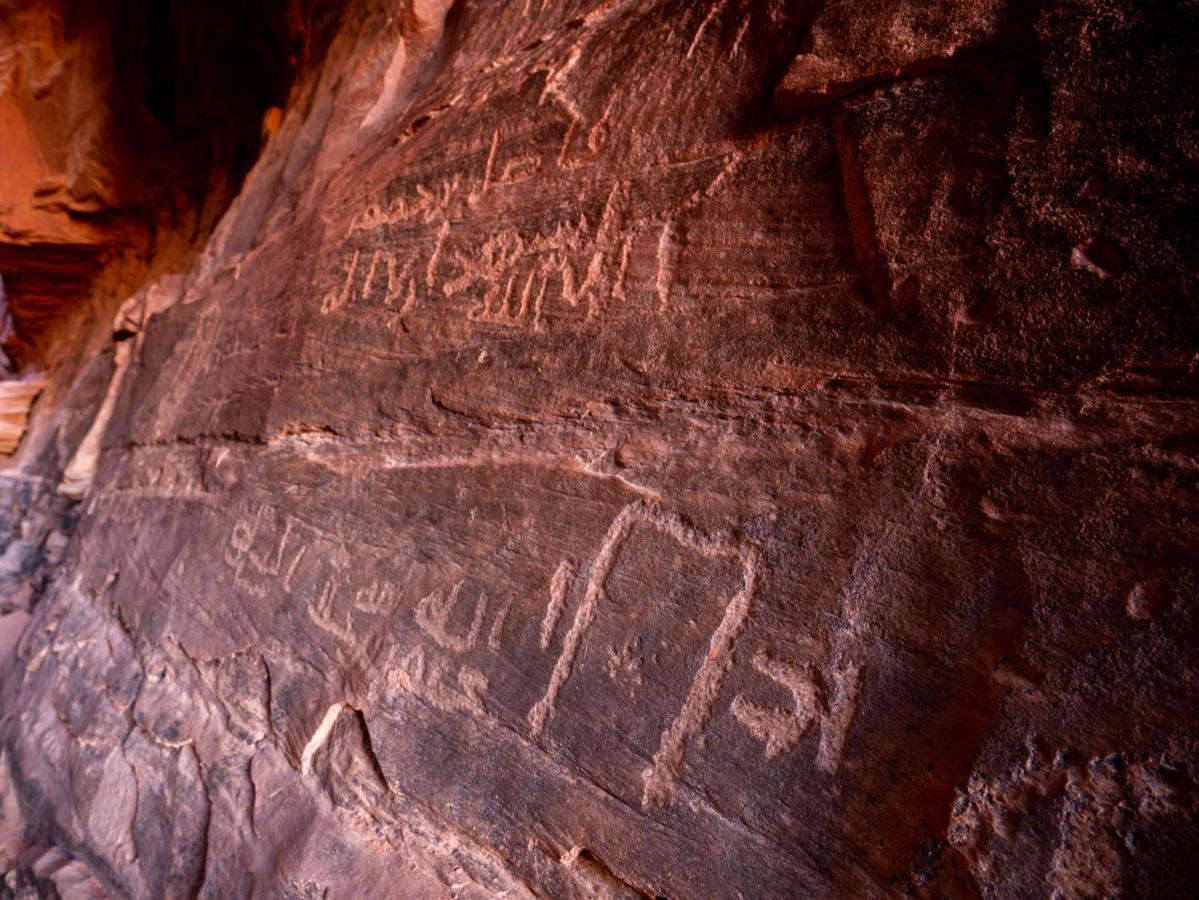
(77, 479)
(557, 605)
(16, 401)
(320, 736)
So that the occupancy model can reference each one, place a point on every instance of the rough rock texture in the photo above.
(737, 448)
(125, 134)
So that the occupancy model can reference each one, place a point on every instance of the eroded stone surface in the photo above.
(569, 472)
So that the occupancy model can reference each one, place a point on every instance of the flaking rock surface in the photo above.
(737, 448)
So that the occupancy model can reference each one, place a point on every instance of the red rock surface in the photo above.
(685, 449)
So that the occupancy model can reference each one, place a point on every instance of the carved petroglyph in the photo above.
(241, 539)
(510, 264)
(564, 574)
(659, 779)
(427, 677)
(495, 637)
(581, 262)
(740, 36)
(268, 551)
(384, 270)
(424, 206)
(493, 264)
(459, 619)
(425, 672)
(374, 599)
(489, 167)
(240, 551)
(435, 256)
(626, 662)
(449, 198)
(670, 238)
(378, 597)
(518, 168)
(515, 272)
(557, 89)
(835, 723)
(473, 685)
(668, 251)
(323, 615)
(609, 256)
(433, 616)
(781, 730)
(703, 26)
(339, 296)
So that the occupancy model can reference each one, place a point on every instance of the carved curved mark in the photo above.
(781, 730)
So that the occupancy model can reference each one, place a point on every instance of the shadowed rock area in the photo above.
(698, 449)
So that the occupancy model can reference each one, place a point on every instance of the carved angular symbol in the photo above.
(433, 616)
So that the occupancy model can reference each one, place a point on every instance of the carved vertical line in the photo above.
(489, 168)
(600, 569)
(539, 304)
(667, 253)
(435, 258)
(660, 777)
(834, 725)
(557, 604)
(525, 295)
(863, 231)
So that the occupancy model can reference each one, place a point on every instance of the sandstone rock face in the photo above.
(737, 448)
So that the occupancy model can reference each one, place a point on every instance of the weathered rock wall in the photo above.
(690, 449)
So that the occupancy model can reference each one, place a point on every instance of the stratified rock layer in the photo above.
(696, 449)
